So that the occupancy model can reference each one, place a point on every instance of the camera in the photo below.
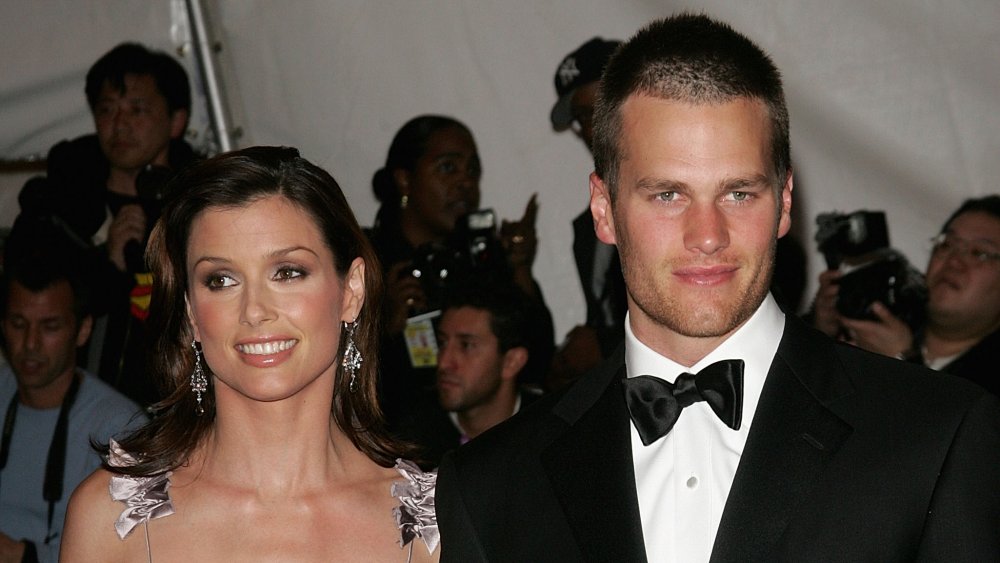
(473, 250)
(889, 280)
(850, 235)
(875, 272)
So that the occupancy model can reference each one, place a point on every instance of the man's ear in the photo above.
(785, 221)
(513, 362)
(354, 291)
(83, 333)
(194, 325)
(601, 210)
(178, 123)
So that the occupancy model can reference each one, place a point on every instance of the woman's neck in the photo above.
(415, 231)
(277, 448)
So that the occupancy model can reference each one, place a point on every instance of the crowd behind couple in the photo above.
(292, 379)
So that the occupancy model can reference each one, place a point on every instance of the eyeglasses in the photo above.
(954, 246)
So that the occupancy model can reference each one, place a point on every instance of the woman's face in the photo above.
(444, 184)
(265, 299)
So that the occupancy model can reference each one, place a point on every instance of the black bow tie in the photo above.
(655, 404)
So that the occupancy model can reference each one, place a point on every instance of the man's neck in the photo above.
(479, 419)
(49, 397)
(684, 350)
(942, 343)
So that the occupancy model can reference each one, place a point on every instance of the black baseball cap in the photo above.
(580, 67)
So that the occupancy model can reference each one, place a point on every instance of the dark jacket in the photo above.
(981, 363)
(73, 197)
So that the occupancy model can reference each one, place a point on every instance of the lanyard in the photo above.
(55, 464)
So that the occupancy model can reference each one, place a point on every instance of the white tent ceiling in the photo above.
(894, 104)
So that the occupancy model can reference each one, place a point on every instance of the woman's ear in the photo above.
(354, 291)
(402, 179)
(190, 316)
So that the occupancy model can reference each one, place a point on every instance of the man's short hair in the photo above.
(37, 256)
(504, 303)
(40, 273)
(989, 205)
(132, 58)
(687, 58)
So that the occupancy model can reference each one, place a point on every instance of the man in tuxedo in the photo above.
(785, 445)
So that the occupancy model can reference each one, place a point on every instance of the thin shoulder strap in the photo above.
(149, 550)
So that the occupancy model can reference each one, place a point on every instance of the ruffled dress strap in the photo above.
(415, 514)
(145, 498)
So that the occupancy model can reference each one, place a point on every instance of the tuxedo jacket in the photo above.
(851, 457)
(430, 428)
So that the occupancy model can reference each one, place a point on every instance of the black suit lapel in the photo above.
(590, 469)
(793, 438)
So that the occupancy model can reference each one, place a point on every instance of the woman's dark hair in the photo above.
(234, 180)
(407, 147)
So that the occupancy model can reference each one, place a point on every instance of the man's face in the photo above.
(696, 219)
(42, 335)
(964, 293)
(470, 364)
(134, 127)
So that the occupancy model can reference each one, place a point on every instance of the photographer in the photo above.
(430, 234)
(140, 101)
(960, 333)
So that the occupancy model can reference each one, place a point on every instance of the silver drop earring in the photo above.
(199, 382)
(352, 356)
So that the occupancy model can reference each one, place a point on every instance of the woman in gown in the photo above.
(270, 445)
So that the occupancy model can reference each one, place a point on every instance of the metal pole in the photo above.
(206, 64)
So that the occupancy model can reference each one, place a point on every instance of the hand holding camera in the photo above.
(870, 270)
(127, 231)
(887, 335)
(405, 296)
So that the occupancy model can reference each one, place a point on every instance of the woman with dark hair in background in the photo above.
(429, 191)
(270, 443)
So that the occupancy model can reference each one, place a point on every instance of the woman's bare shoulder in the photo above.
(89, 533)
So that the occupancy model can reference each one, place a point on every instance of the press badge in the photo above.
(421, 342)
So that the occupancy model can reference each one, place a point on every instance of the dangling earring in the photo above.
(199, 383)
(404, 201)
(352, 356)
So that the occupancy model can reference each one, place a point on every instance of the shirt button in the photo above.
(692, 482)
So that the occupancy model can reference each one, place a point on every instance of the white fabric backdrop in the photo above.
(894, 104)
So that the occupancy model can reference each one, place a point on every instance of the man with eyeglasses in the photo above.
(961, 335)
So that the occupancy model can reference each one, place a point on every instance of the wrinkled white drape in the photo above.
(894, 104)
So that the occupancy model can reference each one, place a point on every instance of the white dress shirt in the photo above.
(683, 479)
